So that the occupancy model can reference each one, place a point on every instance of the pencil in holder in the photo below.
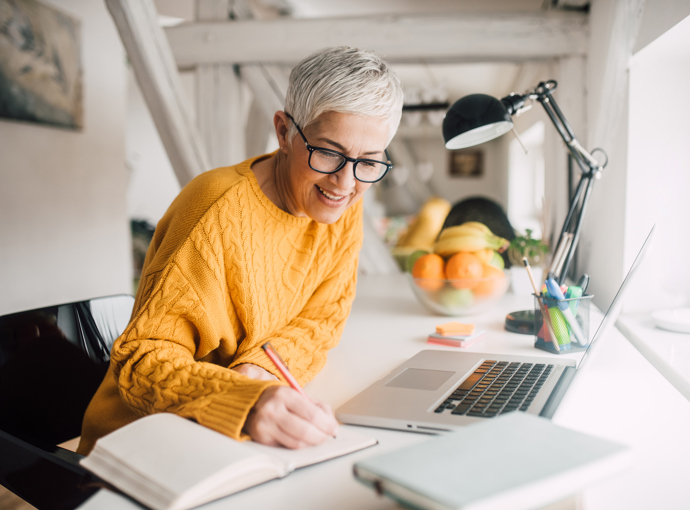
(566, 321)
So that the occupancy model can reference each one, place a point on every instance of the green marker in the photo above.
(574, 292)
(560, 326)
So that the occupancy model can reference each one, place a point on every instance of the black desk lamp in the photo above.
(478, 118)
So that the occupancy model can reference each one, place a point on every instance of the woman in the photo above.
(262, 251)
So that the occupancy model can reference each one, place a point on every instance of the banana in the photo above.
(425, 228)
(467, 242)
(485, 255)
(468, 228)
(471, 236)
(477, 226)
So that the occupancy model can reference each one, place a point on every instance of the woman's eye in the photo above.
(331, 155)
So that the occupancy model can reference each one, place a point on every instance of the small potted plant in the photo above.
(535, 250)
(525, 246)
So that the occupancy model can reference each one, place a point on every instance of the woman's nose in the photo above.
(345, 177)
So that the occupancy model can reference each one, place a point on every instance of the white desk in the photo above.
(668, 351)
(388, 325)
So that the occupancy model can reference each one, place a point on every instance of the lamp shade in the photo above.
(475, 119)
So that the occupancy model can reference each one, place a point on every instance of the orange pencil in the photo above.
(544, 310)
(283, 369)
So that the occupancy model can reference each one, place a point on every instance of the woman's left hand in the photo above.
(254, 372)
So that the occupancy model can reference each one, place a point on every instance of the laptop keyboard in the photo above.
(497, 387)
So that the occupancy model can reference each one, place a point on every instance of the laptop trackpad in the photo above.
(420, 379)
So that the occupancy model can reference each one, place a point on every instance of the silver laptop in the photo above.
(437, 391)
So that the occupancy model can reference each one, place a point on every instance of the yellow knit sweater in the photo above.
(226, 271)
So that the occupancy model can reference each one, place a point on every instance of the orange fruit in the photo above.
(464, 266)
(430, 268)
(492, 285)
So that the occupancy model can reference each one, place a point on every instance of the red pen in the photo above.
(283, 369)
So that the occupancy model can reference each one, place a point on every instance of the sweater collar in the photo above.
(286, 218)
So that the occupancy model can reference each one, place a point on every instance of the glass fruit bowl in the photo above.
(460, 297)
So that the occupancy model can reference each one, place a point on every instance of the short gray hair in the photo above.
(344, 80)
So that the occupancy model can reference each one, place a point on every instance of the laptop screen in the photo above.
(616, 305)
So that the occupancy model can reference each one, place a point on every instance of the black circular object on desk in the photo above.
(521, 322)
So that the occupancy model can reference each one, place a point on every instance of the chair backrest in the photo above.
(52, 361)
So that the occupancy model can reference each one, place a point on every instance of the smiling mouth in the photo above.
(336, 198)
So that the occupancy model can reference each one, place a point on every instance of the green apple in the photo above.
(455, 298)
(497, 261)
(412, 258)
(400, 255)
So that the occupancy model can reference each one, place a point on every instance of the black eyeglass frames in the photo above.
(327, 161)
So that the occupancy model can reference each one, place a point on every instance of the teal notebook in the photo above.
(516, 461)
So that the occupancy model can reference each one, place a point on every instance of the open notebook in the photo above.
(170, 463)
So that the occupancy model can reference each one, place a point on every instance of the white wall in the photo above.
(613, 231)
(658, 186)
(63, 224)
(603, 232)
(492, 184)
(526, 179)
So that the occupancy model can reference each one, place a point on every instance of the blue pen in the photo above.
(556, 293)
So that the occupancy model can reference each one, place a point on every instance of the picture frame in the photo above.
(466, 163)
(40, 65)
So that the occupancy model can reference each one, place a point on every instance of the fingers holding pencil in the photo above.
(318, 414)
(283, 417)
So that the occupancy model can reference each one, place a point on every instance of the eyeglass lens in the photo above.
(327, 161)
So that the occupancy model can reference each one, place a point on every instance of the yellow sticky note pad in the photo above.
(455, 328)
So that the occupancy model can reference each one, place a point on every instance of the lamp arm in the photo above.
(591, 161)
(565, 131)
(573, 206)
(515, 104)
(591, 168)
(578, 225)
(584, 159)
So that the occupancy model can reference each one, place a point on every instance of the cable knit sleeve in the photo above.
(226, 272)
(156, 360)
(303, 343)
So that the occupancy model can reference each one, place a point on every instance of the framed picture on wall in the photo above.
(466, 163)
(40, 64)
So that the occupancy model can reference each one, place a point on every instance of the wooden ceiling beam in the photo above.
(457, 38)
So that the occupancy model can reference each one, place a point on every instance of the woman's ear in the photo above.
(281, 123)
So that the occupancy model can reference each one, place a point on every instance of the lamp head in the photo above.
(475, 119)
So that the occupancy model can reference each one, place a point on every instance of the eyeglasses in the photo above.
(327, 161)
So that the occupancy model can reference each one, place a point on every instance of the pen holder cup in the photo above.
(568, 324)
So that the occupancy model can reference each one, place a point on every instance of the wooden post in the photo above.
(156, 73)
(258, 131)
(219, 99)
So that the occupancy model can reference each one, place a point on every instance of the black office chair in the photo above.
(52, 361)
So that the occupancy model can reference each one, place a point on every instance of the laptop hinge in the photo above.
(558, 392)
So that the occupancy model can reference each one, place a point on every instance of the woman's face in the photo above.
(325, 197)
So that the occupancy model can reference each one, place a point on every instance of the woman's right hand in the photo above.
(283, 417)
